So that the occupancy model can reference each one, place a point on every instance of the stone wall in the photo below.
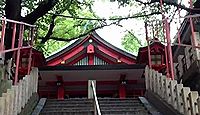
(13, 101)
(29, 107)
(180, 98)
(4, 85)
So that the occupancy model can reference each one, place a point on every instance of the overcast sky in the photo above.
(113, 34)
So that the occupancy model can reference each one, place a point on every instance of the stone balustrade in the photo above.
(185, 61)
(14, 100)
(179, 97)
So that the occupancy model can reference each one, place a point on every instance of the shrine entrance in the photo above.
(72, 81)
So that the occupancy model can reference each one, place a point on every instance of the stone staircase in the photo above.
(68, 107)
(108, 106)
(116, 106)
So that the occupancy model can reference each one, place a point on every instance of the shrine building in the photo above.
(117, 72)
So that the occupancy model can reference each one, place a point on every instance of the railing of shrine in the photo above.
(191, 54)
(180, 98)
(21, 36)
(14, 100)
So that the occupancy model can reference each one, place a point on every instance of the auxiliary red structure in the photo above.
(21, 48)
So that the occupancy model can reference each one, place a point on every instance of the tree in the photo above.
(62, 31)
(38, 12)
(47, 11)
(130, 42)
(170, 9)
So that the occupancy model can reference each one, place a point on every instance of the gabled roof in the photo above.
(113, 47)
(142, 53)
(97, 39)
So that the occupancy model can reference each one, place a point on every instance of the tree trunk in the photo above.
(13, 11)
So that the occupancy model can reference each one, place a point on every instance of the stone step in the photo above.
(64, 103)
(103, 100)
(122, 112)
(67, 113)
(108, 106)
(71, 108)
(124, 104)
(72, 103)
(118, 99)
(122, 107)
(130, 101)
(68, 106)
(70, 99)
(126, 113)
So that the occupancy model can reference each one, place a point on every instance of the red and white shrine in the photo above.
(117, 73)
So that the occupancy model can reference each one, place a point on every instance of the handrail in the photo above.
(19, 46)
(17, 22)
(95, 98)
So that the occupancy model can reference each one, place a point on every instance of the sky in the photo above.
(113, 34)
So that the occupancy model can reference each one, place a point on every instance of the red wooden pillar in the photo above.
(122, 91)
(122, 87)
(60, 90)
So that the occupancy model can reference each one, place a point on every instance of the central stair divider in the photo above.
(97, 110)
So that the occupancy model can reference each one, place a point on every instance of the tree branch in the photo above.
(82, 35)
(103, 19)
(40, 11)
(50, 31)
(194, 10)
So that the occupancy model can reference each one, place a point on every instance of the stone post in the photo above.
(15, 100)
(150, 79)
(179, 99)
(23, 92)
(7, 103)
(35, 70)
(167, 89)
(2, 105)
(186, 101)
(180, 67)
(187, 56)
(19, 96)
(193, 96)
(147, 77)
(176, 72)
(26, 90)
(11, 100)
(173, 83)
(90, 91)
(159, 89)
(163, 92)
(155, 84)
(197, 43)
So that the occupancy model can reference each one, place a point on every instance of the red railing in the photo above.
(21, 29)
(168, 50)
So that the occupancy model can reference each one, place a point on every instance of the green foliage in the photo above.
(52, 46)
(65, 28)
(130, 43)
(2, 5)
